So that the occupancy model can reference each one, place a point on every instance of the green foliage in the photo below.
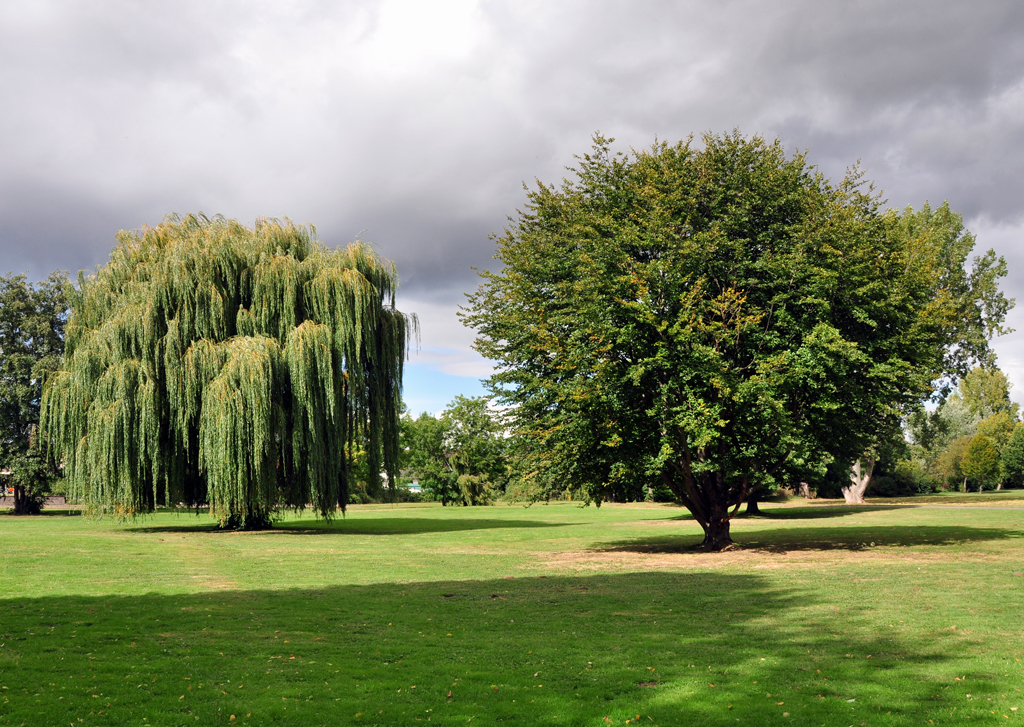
(980, 405)
(986, 392)
(458, 457)
(934, 431)
(720, 319)
(213, 364)
(912, 478)
(980, 463)
(997, 428)
(966, 304)
(897, 472)
(423, 456)
(1012, 457)
(32, 320)
(906, 479)
(948, 466)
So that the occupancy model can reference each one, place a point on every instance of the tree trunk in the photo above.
(252, 521)
(965, 484)
(709, 508)
(25, 504)
(752, 508)
(716, 534)
(860, 477)
(804, 490)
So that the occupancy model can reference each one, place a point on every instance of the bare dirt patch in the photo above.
(757, 558)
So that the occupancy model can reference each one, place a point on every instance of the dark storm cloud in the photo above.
(414, 125)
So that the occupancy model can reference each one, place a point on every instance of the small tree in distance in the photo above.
(459, 457)
(980, 463)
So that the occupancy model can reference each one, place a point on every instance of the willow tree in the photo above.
(210, 364)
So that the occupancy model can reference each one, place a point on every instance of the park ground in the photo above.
(909, 614)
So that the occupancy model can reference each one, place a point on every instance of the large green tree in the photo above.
(721, 318)
(31, 343)
(211, 364)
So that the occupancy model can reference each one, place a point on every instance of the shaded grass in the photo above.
(858, 538)
(407, 525)
(1011, 498)
(170, 623)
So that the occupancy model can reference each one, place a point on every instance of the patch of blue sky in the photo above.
(425, 389)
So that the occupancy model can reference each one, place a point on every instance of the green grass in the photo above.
(543, 615)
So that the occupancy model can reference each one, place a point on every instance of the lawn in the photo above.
(552, 614)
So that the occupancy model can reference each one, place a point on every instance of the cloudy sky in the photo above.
(414, 124)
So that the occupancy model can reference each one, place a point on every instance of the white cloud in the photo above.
(445, 344)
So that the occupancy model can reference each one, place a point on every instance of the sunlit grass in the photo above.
(542, 615)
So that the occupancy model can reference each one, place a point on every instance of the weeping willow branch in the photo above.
(213, 364)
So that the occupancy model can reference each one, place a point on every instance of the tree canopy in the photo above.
(31, 343)
(238, 368)
(720, 318)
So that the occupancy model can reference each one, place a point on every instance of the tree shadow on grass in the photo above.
(696, 648)
(816, 512)
(360, 526)
(822, 539)
(45, 512)
(805, 512)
